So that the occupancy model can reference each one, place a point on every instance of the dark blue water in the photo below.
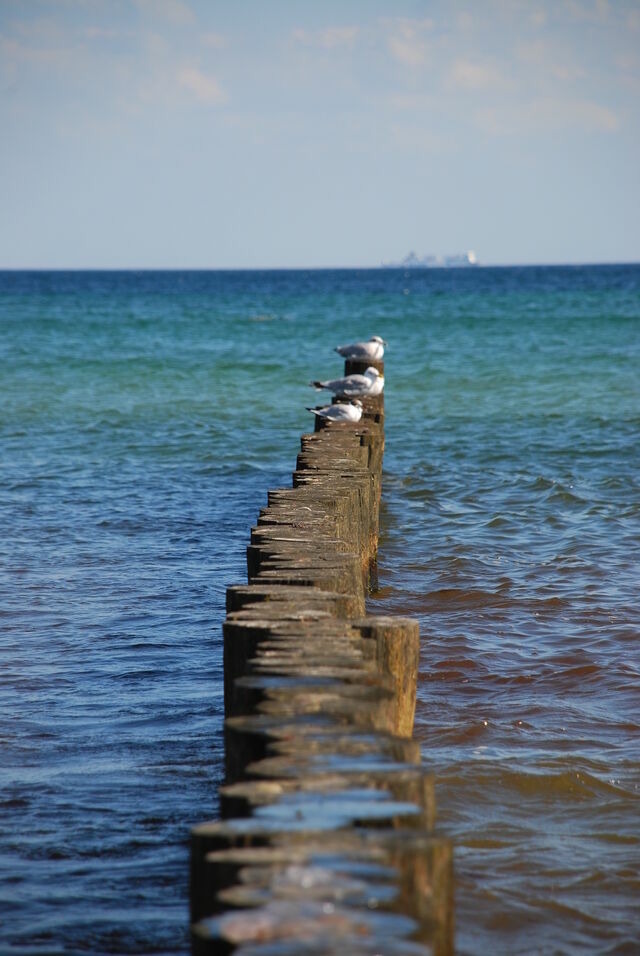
(144, 416)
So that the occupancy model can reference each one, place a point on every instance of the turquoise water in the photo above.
(144, 418)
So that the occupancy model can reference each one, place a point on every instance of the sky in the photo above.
(312, 133)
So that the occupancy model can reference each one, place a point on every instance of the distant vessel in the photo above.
(462, 259)
(413, 261)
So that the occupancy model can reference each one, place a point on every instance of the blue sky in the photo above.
(295, 133)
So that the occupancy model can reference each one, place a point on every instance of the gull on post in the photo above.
(373, 349)
(342, 412)
(368, 384)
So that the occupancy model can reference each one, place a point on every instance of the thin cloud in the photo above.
(407, 41)
(595, 118)
(17, 55)
(174, 11)
(628, 67)
(587, 11)
(538, 18)
(327, 39)
(550, 62)
(470, 75)
(633, 20)
(412, 102)
(464, 20)
(548, 115)
(203, 87)
(216, 41)
(419, 139)
(100, 33)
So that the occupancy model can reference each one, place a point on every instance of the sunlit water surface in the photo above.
(145, 416)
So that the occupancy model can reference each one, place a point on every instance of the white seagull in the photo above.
(373, 349)
(371, 383)
(343, 412)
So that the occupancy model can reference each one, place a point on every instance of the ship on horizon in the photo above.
(413, 261)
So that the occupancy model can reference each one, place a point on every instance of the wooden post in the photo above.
(326, 838)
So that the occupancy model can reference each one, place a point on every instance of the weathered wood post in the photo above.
(325, 842)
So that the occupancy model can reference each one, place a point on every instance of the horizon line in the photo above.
(383, 267)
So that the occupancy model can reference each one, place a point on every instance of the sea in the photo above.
(143, 418)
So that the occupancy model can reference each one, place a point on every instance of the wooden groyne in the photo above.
(325, 841)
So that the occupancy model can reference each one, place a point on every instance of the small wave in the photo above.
(576, 784)
(554, 603)
(566, 911)
(542, 484)
(619, 839)
(420, 494)
(15, 803)
(485, 844)
(541, 791)
(454, 669)
(500, 521)
(465, 663)
(456, 597)
(580, 671)
(566, 496)
(558, 491)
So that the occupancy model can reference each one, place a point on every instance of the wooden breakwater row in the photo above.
(325, 841)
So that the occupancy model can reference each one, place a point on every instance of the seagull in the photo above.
(344, 412)
(371, 383)
(373, 349)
